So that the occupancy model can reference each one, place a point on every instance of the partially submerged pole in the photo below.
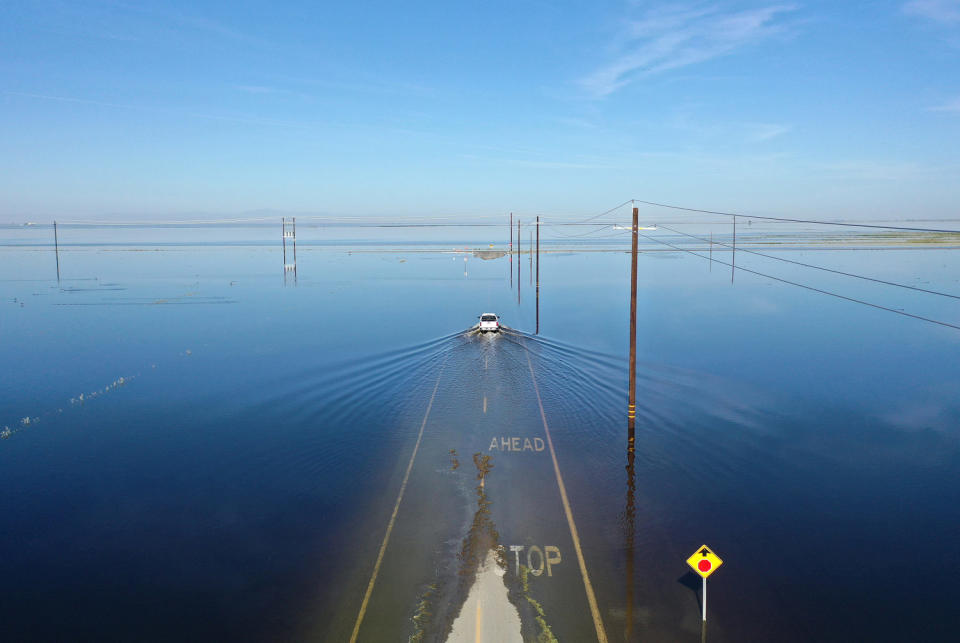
(538, 275)
(518, 262)
(632, 395)
(510, 252)
(295, 248)
(56, 249)
(629, 514)
(283, 233)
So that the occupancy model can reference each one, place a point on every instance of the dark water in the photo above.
(237, 484)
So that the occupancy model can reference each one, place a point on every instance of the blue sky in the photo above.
(144, 109)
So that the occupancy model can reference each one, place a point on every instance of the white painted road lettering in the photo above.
(517, 444)
(544, 558)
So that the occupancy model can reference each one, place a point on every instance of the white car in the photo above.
(489, 322)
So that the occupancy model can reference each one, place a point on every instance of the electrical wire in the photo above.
(750, 216)
(556, 234)
(806, 287)
(810, 265)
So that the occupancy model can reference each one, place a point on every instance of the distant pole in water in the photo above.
(283, 234)
(56, 249)
(518, 262)
(294, 248)
(733, 262)
(510, 251)
(511, 233)
(530, 248)
(538, 275)
(632, 395)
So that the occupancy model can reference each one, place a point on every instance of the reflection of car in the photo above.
(489, 322)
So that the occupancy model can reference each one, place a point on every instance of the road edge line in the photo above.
(591, 598)
(393, 516)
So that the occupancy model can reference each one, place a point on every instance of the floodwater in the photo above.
(202, 447)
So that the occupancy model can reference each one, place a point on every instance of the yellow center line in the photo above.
(591, 598)
(393, 516)
(478, 633)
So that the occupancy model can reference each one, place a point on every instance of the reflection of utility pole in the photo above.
(629, 517)
(56, 250)
(289, 231)
(538, 275)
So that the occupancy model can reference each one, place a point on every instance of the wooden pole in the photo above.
(518, 261)
(632, 395)
(631, 427)
(283, 234)
(538, 275)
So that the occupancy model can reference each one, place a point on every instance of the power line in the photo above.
(810, 265)
(607, 212)
(583, 234)
(750, 216)
(806, 287)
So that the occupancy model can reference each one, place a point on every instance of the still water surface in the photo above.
(238, 482)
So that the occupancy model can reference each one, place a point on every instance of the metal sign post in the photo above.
(704, 562)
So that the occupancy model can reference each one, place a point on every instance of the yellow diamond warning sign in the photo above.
(704, 561)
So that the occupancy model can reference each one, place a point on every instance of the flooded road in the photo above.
(483, 479)
(215, 452)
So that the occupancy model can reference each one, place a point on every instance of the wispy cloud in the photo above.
(949, 106)
(886, 171)
(943, 11)
(682, 35)
(259, 89)
(586, 164)
(704, 127)
(760, 132)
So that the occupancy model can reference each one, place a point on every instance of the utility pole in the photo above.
(519, 248)
(632, 396)
(510, 251)
(630, 513)
(538, 275)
